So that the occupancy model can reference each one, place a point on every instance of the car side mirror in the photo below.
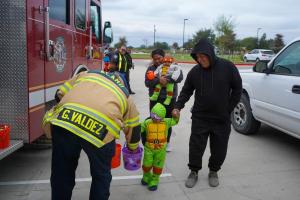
(261, 67)
(107, 33)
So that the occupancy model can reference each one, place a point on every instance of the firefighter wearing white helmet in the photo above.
(94, 107)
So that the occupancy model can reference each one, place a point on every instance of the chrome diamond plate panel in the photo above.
(13, 68)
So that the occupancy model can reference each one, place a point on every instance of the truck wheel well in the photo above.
(246, 93)
(80, 68)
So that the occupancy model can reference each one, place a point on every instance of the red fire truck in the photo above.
(42, 44)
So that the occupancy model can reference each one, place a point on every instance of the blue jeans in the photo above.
(65, 154)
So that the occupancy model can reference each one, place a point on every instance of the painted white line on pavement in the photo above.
(78, 180)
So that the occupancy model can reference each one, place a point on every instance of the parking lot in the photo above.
(263, 166)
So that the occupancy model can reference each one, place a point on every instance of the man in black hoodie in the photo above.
(218, 87)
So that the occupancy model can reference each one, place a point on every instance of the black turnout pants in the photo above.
(218, 133)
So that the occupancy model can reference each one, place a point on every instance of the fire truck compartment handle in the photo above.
(48, 43)
(90, 48)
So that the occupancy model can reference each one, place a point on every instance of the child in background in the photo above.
(170, 70)
(154, 137)
(106, 61)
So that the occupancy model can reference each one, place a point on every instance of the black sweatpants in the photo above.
(218, 134)
(169, 109)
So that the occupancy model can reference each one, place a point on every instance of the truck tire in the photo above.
(242, 118)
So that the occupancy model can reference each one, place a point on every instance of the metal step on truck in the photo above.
(43, 43)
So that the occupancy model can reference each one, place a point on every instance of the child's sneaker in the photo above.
(152, 185)
(144, 182)
(146, 178)
(167, 101)
(154, 96)
(152, 188)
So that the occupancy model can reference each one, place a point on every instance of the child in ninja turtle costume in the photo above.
(154, 137)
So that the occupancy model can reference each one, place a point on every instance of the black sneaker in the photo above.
(144, 182)
(192, 179)
(213, 179)
(152, 188)
(132, 92)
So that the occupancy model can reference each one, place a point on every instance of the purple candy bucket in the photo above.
(132, 161)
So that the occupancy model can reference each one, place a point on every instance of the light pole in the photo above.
(154, 30)
(258, 29)
(183, 31)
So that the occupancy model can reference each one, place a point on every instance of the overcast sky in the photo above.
(135, 19)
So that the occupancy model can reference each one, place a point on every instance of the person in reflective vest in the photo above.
(94, 107)
(154, 134)
(125, 64)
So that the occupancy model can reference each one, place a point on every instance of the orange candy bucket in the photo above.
(116, 160)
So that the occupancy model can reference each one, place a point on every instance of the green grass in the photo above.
(141, 56)
(233, 58)
(187, 58)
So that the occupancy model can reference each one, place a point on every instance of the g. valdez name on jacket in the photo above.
(83, 122)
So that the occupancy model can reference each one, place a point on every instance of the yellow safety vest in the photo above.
(121, 62)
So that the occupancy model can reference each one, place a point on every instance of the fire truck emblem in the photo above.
(59, 54)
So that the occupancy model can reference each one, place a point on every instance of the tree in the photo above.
(278, 42)
(226, 42)
(175, 45)
(248, 43)
(189, 44)
(161, 45)
(122, 42)
(142, 46)
(224, 25)
(263, 42)
(225, 29)
(204, 33)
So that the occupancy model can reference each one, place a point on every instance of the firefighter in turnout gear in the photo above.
(94, 107)
(154, 134)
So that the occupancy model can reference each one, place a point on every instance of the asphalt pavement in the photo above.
(265, 166)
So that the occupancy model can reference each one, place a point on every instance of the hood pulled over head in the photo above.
(204, 47)
(159, 110)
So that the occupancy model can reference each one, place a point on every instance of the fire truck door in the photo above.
(58, 62)
(36, 12)
(95, 36)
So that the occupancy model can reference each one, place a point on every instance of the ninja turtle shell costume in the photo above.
(155, 136)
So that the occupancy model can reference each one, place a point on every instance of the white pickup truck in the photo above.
(271, 94)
